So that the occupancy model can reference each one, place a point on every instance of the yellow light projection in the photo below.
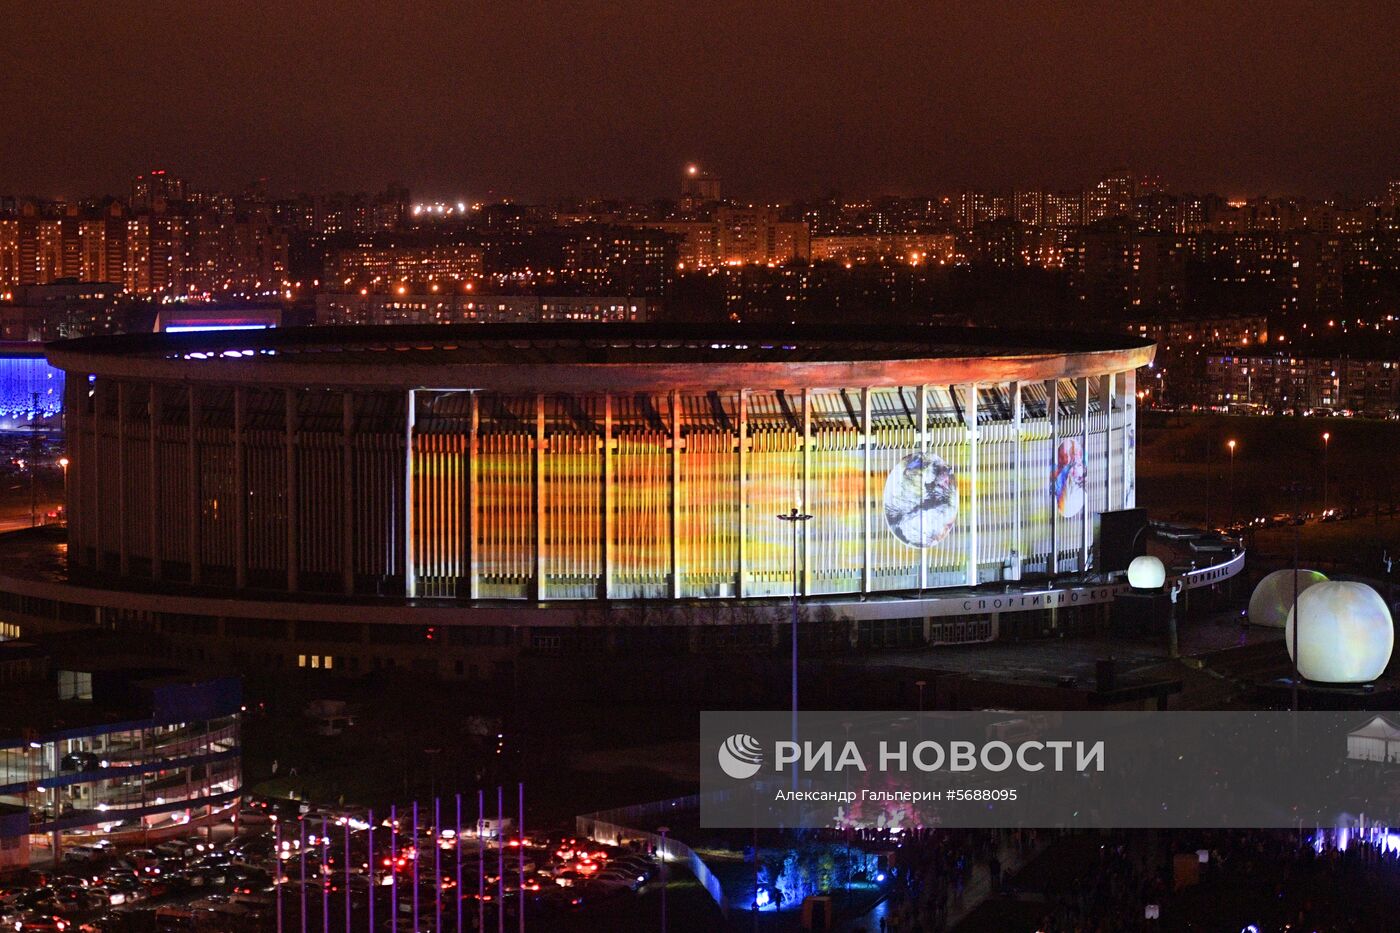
(665, 496)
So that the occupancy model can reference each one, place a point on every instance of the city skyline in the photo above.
(1246, 99)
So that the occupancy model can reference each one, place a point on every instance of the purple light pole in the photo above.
(277, 853)
(520, 789)
(347, 875)
(437, 864)
(458, 840)
(415, 866)
(480, 862)
(325, 878)
(394, 867)
(796, 518)
(301, 854)
(500, 859)
(372, 869)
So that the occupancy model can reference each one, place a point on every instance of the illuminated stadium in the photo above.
(508, 476)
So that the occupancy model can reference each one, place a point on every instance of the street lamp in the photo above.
(1231, 445)
(663, 830)
(796, 517)
(63, 462)
(1326, 446)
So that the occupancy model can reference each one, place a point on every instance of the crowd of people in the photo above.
(1261, 881)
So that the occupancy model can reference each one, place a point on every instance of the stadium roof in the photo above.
(601, 357)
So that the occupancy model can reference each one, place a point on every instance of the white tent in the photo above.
(1378, 740)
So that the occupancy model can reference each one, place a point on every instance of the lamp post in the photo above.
(1231, 445)
(1210, 468)
(63, 462)
(663, 830)
(1297, 489)
(1326, 446)
(796, 517)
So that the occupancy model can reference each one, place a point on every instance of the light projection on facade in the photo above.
(1067, 481)
(921, 500)
(648, 468)
(1344, 632)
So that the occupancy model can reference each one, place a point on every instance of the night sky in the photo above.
(781, 99)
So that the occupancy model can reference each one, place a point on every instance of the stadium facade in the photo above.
(324, 480)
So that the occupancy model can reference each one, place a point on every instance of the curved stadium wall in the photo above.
(596, 462)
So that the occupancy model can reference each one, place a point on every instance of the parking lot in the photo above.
(287, 864)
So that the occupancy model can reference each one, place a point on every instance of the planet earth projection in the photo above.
(921, 499)
(1345, 633)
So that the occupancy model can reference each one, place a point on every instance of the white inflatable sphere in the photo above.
(1146, 573)
(1345, 633)
(1272, 599)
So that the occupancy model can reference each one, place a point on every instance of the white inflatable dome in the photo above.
(1146, 573)
(1272, 599)
(1344, 632)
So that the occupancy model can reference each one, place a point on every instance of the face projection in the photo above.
(1067, 480)
(921, 500)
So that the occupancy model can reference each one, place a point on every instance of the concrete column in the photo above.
(806, 490)
(1106, 407)
(289, 443)
(123, 555)
(410, 570)
(973, 437)
(1052, 410)
(90, 471)
(541, 503)
(240, 488)
(153, 477)
(1085, 516)
(865, 509)
(474, 500)
(605, 548)
(194, 498)
(1128, 499)
(675, 495)
(922, 400)
(347, 493)
(1017, 463)
(741, 488)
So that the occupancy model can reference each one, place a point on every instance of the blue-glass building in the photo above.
(30, 389)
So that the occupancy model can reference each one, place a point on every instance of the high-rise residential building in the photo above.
(738, 236)
(9, 255)
(1114, 268)
(633, 261)
(1029, 208)
(978, 207)
(390, 209)
(386, 262)
(698, 188)
(156, 189)
(156, 255)
(459, 307)
(1112, 197)
(861, 249)
(1063, 209)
